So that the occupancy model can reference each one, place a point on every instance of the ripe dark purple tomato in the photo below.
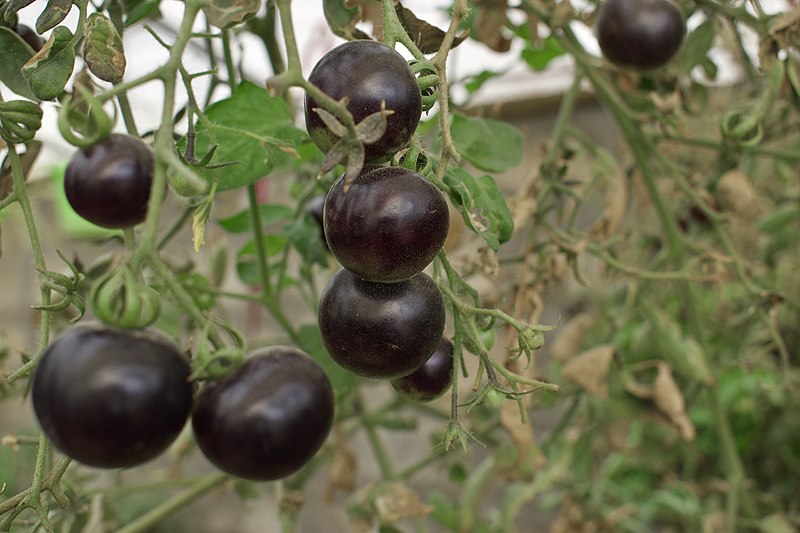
(388, 226)
(381, 330)
(109, 183)
(432, 379)
(367, 73)
(30, 37)
(112, 398)
(642, 34)
(268, 418)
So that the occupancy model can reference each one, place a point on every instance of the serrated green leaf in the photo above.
(696, 47)
(229, 13)
(247, 126)
(489, 145)
(311, 343)
(242, 222)
(539, 57)
(102, 48)
(49, 70)
(16, 52)
(482, 206)
(53, 15)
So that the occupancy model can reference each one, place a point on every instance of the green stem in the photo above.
(229, 66)
(160, 513)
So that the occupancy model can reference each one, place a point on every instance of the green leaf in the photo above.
(478, 80)
(53, 15)
(481, 205)
(489, 145)
(48, 71)
(539, 57)
(696, 47)
(248, 127)
(304, 236)
(242, 222)
(137, 10)
(102, 48)
(228, 13)
(311, 343)
(14, 6)
(342, 19)
(16, 52)
(247, 257)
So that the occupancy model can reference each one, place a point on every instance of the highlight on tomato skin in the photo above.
(109, 182)
(432, 379)
(112, 398)
(268, 418)
(389, 225)
(371, 75)
(640, 34)
(381, 330)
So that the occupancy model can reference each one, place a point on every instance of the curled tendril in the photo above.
(742, 128)
(428, 81)
(97, 124)
(414, 159)
(19, 121)
(215, 364)
(120, 299)
(67, 287)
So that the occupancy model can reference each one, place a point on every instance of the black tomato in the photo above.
(30, 37)
(112, 398)
(367, 73)
(381, 330)
(109, 182)
(268, 418)
(642, 34)
(432, 379)
(388, 226)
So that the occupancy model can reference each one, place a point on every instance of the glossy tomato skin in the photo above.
(640, 34)
(109, 183)
(388, 226)
(268, 418)
(380, 330)
(366, 73)
(31, 37)
(112, 398)
(432, 379)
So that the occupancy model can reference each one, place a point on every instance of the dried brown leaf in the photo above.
(427, 37)
(668, 398)
(570, 337)
(343, 467)
(589, 369)
(521, 433)
(489, 24)
(738, 196)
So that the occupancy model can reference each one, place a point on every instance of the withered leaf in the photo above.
(427, 37)
(589, 369)
(489, 25)
(102, 48)
(53, 15)
(227, 13)
(569, 337)
(668, 398)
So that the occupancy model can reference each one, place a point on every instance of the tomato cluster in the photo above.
(380, 316)
(113, 398)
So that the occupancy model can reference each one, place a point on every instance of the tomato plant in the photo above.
(598, 286)
(111, 398)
